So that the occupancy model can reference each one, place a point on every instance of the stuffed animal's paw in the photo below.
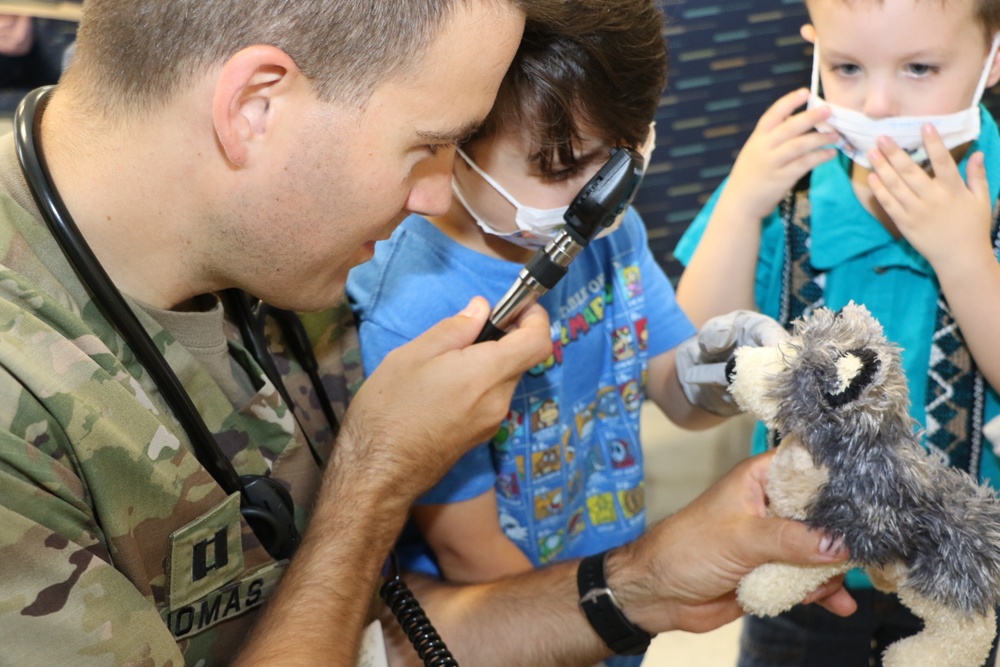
(776, 587)
(930, 649)
(950, 638)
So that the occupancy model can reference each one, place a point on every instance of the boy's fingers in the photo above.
(901, 177)
(806, 121)
(900, 161)
(940, 157)
(975, 175)
(783, 108)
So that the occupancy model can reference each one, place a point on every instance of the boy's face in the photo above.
(509, 159)
(899, 57)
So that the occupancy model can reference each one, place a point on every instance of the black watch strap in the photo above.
(601, 608)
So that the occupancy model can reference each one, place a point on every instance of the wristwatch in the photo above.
(603, 611)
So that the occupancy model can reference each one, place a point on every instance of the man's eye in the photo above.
(434, 149)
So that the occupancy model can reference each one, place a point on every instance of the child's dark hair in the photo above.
(602, 65)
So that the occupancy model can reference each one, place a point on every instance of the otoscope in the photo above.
(596, 206)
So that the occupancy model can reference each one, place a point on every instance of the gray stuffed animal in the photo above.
(850, 462)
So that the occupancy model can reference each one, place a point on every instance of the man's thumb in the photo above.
(458, 331)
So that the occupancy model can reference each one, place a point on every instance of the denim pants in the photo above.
(810, 636)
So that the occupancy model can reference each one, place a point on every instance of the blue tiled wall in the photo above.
(728, 62)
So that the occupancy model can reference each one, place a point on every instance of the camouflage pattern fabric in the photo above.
(116, 546)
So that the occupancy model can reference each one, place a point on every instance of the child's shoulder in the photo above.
(389, 277)
(411, 247)
(420, 274)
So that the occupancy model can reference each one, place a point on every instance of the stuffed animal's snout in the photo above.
(750, 371)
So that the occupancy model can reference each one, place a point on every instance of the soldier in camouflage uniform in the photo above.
(196, 155)
(116, 545)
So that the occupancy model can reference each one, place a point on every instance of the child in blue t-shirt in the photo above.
(899, 220)
(564, 474)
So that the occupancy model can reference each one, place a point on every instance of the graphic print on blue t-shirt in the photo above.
(575, 418)
(566, 463)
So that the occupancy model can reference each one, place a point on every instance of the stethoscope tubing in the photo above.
(107, 297)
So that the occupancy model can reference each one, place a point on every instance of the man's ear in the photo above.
(808, 33)
(243, 105)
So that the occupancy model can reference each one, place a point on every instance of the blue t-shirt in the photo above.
(566, 463)
(862, 262)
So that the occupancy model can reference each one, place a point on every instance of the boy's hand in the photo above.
(702, 359)
(944, 219)
(783, 147)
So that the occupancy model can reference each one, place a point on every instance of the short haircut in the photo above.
(987, 13)
(601, 64)
(135, 53)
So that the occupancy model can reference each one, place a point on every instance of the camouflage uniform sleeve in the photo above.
(62, 601)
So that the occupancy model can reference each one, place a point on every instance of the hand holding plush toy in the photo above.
(851, 463)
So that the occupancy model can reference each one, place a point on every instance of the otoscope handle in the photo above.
(490, 332)
(545, 268)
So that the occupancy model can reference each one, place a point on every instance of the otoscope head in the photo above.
(596, 206)
(606, 195)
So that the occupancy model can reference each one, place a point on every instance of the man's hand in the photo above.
(701, 359)
(683, 573)
(434, 398)
(15, 35)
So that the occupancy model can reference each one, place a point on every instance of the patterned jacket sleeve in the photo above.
(62, 601)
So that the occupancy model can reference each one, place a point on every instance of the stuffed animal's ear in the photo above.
(855, 371)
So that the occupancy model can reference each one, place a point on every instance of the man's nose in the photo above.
(430, 195)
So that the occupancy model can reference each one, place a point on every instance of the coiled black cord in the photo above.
(425, 639)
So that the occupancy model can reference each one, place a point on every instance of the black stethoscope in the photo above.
(264, 503)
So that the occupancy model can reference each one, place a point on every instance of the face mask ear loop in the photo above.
(981, 88)
(814, 82)
(456, 189)
(489, 179)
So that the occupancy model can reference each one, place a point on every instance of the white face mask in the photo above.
(537, 226)
(858, 132)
